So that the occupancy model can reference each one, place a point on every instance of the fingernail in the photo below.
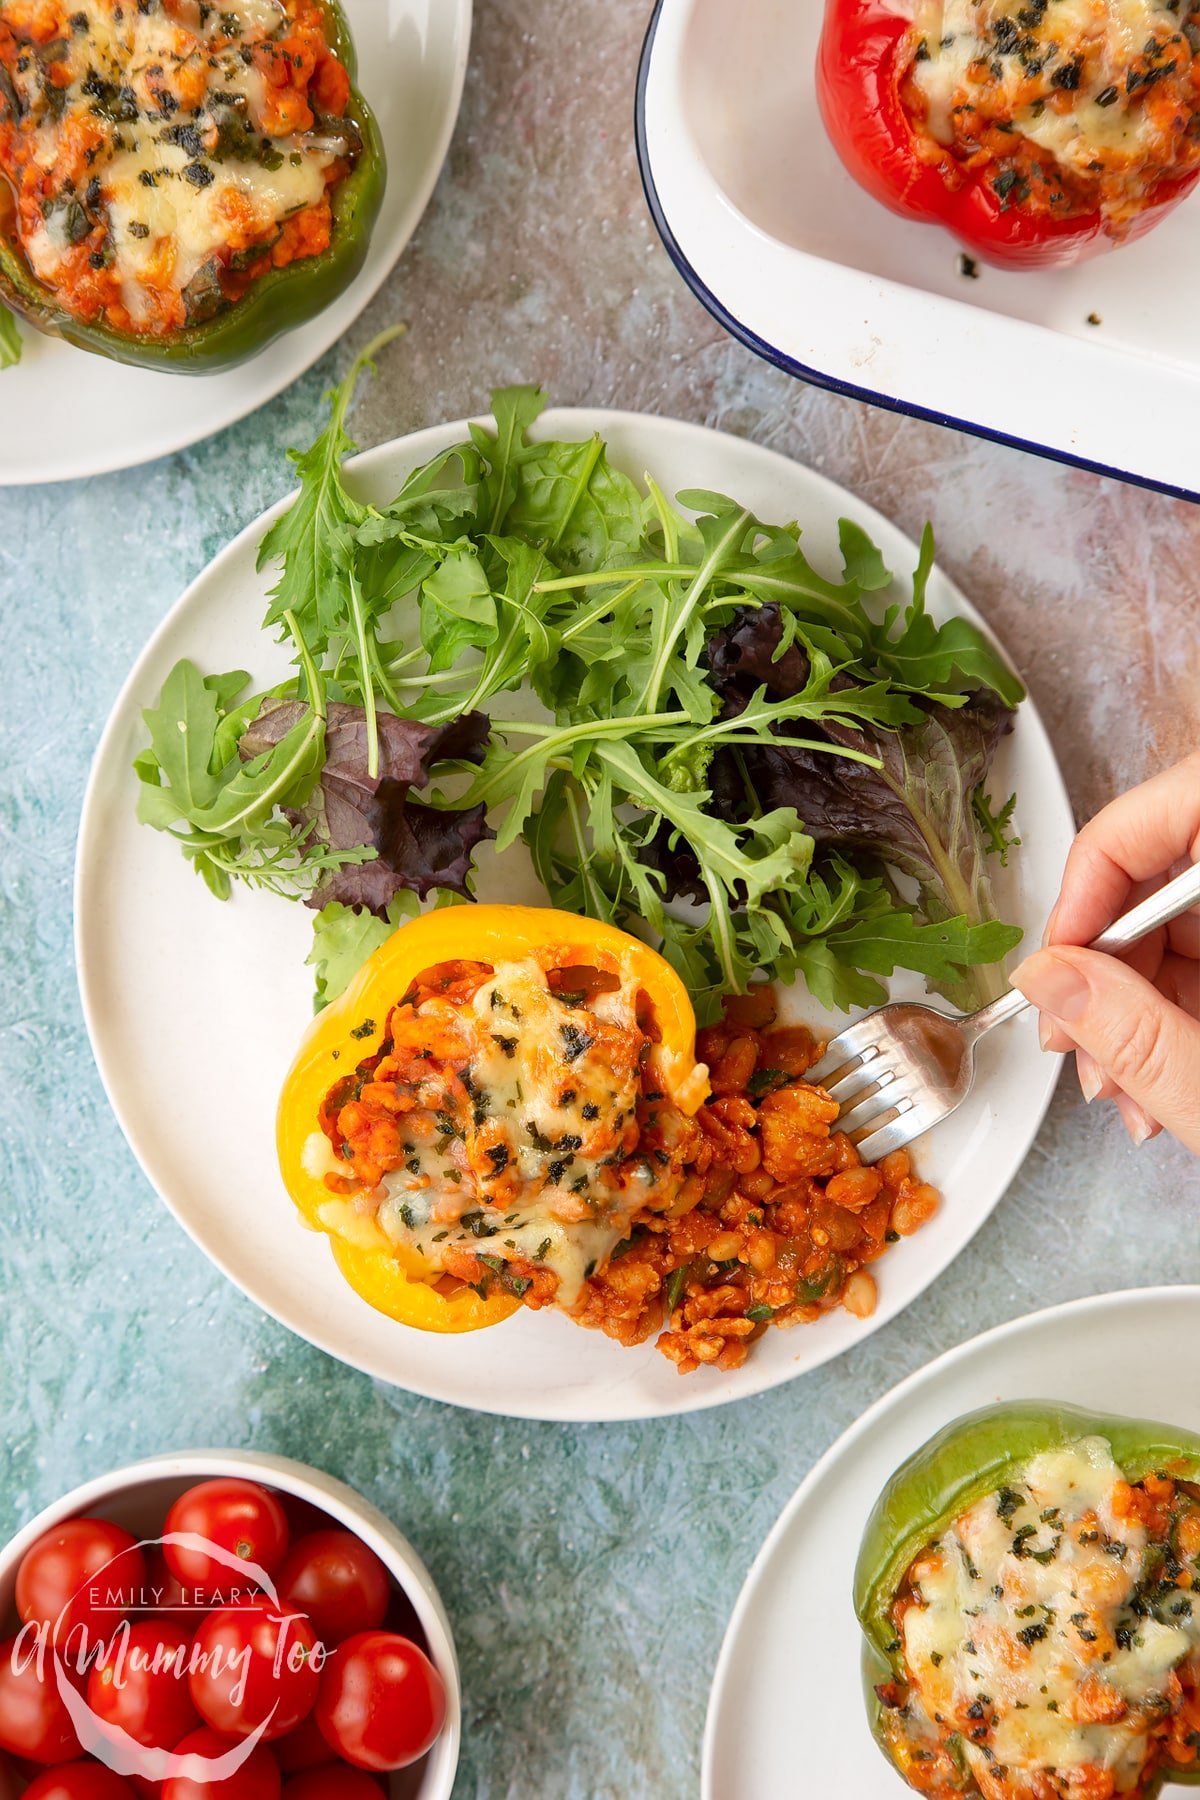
(1091, 1080)
(1138, 1123)
(1048, 934)
(1054, 985)
(1045, 1032)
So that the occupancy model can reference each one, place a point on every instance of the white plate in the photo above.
(786, 1716)
(784, 248)
(195, 1009)
(83, 415)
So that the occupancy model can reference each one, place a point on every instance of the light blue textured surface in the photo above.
(588, 1572)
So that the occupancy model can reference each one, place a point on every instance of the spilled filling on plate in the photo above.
(1067, 106)
(1051, 1638)
(514, 1130)
(158, 156)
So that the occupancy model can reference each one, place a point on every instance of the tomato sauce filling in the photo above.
(156, 160)
(1065, 108)
(539, 1153)
(1064, 1664)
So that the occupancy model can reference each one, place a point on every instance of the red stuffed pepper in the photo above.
(1038, 132)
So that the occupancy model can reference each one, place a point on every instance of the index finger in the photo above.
(1135, 838)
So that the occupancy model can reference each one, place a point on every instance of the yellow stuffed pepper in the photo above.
(479, 1119)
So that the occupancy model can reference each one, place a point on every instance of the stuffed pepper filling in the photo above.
(511, 1126)
(542, 1125)
(1066, 107)
(1050, 1639)
(157, 157)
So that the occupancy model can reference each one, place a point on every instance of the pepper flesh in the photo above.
(392, 1278)
(975, 1456)
(863, 56)
(278, 301)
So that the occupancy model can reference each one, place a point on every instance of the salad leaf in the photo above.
(926, 656)
(229, 815)
(344, 937)
(996, 824)
(413, 846)
(769, 769)
(514, 409)
(10, 340)
(571, 499)
(912, 808)
(177, 773)
(458, 610)
(313, 537)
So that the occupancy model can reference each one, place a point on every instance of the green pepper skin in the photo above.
(977, 1455)
(279, 301)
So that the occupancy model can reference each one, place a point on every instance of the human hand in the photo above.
(1133, 1023)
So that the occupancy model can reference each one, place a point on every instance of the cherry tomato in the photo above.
(337, 1582)
(12, 1781)
(238, 1516)
(334, 1782)
(165, 1593)
(257, 1778)
(303, 1516)
(382, 1703)
(79, 1580)
(253, 1662)
(34, 1723)
(78, 1781)
(141, 1684)
(302, 1748)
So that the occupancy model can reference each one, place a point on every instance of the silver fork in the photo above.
(907, 1067)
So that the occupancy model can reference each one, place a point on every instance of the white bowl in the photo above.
(793, 258)
(137, 1497)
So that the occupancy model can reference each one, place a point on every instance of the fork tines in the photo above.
(854, 1068)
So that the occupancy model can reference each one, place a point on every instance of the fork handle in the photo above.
(1179, 896)
(1176, 898)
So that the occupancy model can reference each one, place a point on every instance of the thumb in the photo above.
(1149, 1047)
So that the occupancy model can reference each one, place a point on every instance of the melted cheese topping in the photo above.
(1070, 76)
(548, 1169)
(1041, 1632)
(155, 121)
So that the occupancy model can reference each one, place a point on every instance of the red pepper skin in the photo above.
(861, 63)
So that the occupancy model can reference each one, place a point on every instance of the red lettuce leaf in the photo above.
(419, 847)
(914, 813)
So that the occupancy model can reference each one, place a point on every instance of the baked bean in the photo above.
(761, 1254)
(854, 1188)
(895, 1168)
(781, 1193)
(757, 1184)
(860, 1294)
(914, 1208)
(734, 1069)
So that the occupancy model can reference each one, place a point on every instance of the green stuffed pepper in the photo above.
(180, 184)
(1029, 1591)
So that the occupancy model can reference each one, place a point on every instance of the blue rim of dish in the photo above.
(815, 377)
